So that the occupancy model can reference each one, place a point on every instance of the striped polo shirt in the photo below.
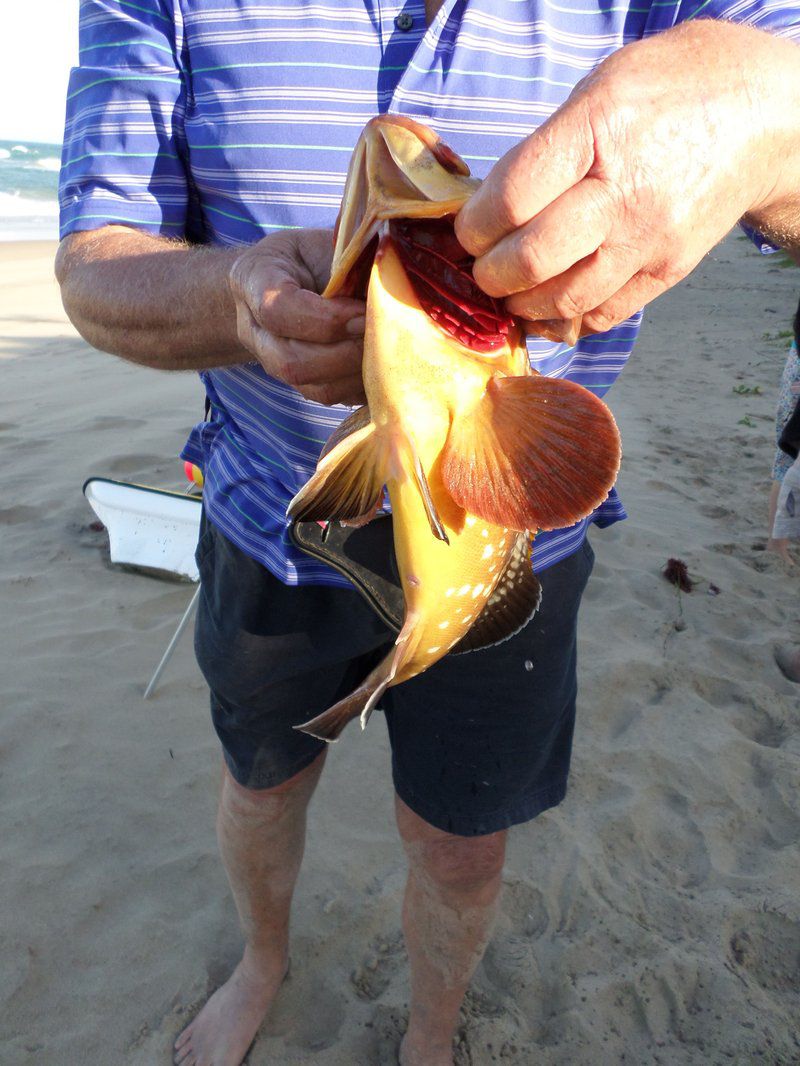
(222, 121)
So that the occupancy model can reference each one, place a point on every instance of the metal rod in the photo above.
(171, 646)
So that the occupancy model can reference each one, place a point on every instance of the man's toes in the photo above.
(183, 1037)
(184, 1055)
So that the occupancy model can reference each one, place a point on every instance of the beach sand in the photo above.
(653, 917)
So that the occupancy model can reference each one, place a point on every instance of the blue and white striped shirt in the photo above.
(225, 120)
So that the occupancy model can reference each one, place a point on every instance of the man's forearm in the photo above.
(151, 300)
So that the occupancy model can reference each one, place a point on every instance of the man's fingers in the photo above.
(527, 179)
(618, 308)
(303, 363)
(293, 312)
(349, 391)
(584, 286)
(632, 297)
(571, 228)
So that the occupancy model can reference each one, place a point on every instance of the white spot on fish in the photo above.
(528, 665)
(464, 590)
(432, 651)
(488, 552)
(444, 625)
(484, 532)
(450, 591)
(492, 568)
(471, 519)
(477, 591)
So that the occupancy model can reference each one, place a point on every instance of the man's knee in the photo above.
(299, 787)
(450, 862)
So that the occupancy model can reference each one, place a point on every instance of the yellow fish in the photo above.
(476, 450)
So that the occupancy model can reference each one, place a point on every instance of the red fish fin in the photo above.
(348, 481)
(512, 604)
(534, 453)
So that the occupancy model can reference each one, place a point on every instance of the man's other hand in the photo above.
(312, 344)
(648, 164)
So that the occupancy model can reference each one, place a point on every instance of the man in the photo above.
(219, 123)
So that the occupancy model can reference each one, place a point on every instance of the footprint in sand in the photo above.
(135, 464)
(15, 516)
(751, 716)
(385, 957)
(767, 947)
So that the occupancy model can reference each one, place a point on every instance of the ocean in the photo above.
(29, 191)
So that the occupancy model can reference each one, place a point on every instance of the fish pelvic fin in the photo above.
(349, 479)
(534, 453)
(411, 467)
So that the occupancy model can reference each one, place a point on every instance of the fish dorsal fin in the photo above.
(349, 479)
(534, 453)
(512, 604)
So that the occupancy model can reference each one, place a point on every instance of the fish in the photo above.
(476, 450)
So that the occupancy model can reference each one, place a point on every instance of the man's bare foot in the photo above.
(787, 657)
(422, 1053)
(226, 1026)
(781, 547)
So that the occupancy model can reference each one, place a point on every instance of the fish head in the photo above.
(405, 186)
(399, 169)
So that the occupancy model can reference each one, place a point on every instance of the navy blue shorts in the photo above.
(480, 741)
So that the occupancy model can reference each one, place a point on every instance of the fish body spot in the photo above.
(488, 552)
(450, 591)
(471, 520)
(444, 625)
(432, 651)
(477, 591)
(464, 590)
(484, 532)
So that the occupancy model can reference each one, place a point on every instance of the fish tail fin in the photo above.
(329, 725)
(534, 453)
(349, 479)
(362, 701)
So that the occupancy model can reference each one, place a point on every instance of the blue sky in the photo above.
(38, 46)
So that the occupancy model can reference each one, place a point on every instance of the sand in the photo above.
(653, 918)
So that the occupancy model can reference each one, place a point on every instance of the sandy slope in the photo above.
(653, 918)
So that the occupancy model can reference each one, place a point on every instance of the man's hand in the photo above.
(315, 345)
(648, 164)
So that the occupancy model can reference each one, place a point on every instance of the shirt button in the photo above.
(404, 21)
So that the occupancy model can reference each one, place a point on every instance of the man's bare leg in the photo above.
(261, 838)
(448, 915)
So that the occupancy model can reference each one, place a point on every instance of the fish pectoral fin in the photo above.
(348, 481)
(534, 453)
(511, 606)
